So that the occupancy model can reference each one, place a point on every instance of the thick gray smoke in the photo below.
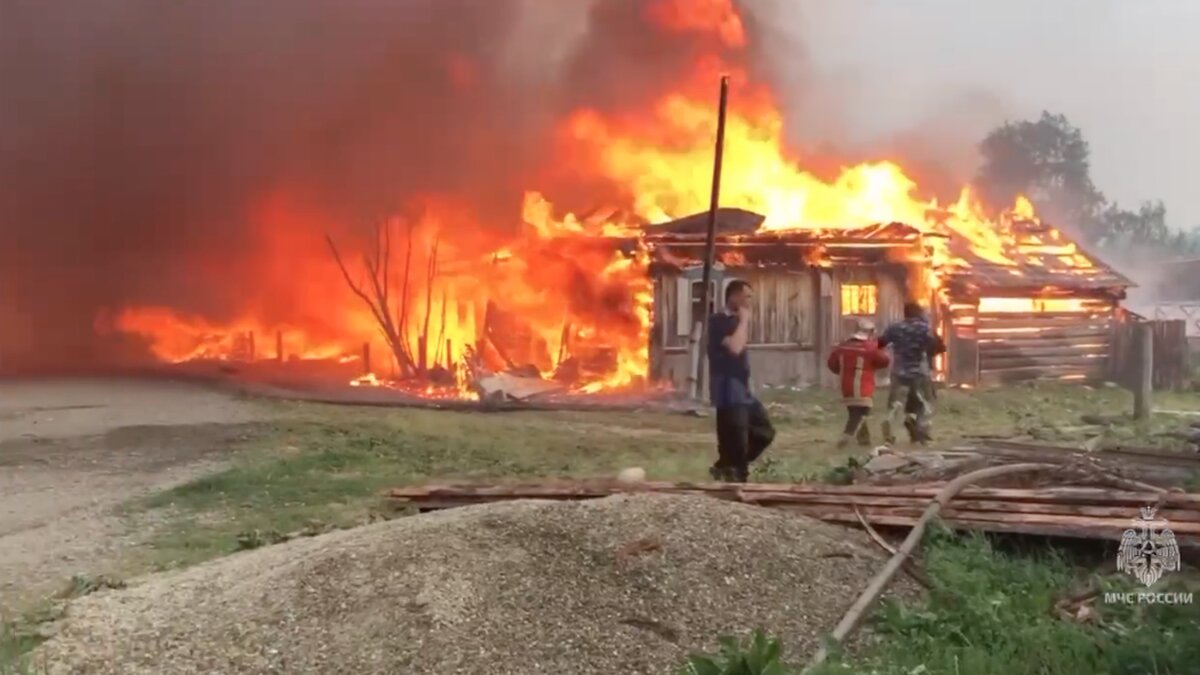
(137, 134)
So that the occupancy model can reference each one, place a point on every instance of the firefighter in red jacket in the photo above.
(856, 361)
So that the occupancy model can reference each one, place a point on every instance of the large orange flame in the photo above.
(583, 312)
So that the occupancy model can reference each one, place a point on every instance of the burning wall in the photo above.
(214, 157)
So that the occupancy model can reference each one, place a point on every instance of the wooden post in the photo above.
(423, 348)
(449, 355)
(695, 361)
(279, 346)
(1143, 404)
(366, 358)
(710, 243)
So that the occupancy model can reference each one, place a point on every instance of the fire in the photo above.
(700, 16)
(1032, 305)
(559, 299)
(175, 338)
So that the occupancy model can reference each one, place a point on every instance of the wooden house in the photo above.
(1047, 314)
(809, 288)
(1051, 314)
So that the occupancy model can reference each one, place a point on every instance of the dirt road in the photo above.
(72, 450)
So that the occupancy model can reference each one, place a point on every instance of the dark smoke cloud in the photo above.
(137, 136)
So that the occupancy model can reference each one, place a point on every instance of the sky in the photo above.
(1127, 72)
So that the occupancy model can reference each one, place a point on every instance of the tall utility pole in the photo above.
(700, 330)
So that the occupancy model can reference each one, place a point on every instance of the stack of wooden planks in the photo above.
(1162, 468)
(1078, 512)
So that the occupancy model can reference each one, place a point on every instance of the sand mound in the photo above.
(627, 584)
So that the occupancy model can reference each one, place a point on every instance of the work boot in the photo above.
(924, 434)
(889, 438)
(864, 436)
(741, 475)
(721, 474)
(845, 441)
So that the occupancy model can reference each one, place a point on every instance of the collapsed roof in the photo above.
(741, 243)
(1041, 259)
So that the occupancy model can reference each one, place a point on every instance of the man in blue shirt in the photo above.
(914, 344)
(743, 429)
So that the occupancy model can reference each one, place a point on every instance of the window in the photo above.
(860, 299)
(697, 312)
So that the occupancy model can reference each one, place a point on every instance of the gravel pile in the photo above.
(628, 584)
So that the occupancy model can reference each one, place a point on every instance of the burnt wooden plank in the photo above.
(784, 491)
(1011, 375)
(1003, 351)
(989, 361)
(1067, 317)
(987, 333)
(1045, 324)
(1063, 346)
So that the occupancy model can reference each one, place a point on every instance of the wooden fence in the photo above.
(1171, 355)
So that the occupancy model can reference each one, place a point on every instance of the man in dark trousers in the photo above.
(743, 429)
(914, 344)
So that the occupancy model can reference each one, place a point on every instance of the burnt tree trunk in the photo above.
(375, 293)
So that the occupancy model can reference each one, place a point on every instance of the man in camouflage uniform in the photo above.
(910, 396)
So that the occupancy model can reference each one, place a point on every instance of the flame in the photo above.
(1032, 305)
(700, 16)
(548, 299)
(175, 337)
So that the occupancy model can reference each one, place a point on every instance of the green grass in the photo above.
(992, 613)
(14, 647)
(998, 619)
(20, 635)
(325, 467)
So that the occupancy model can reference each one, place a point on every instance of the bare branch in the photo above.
(430, 275)
(379, 304)
(349, 281)
(403, 314)
(437, 358)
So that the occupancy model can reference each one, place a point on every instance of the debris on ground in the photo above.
(516, 387)
(628, 584)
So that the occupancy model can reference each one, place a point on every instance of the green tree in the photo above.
(1048, 161)
(1148, 225)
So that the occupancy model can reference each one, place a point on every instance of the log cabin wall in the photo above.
(1018, 346)
(781, 332)
(962, 343)
(799, 314)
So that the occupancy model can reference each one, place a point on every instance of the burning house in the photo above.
(451, 289)
(809, 288)
(608, 302)
(1038, 308)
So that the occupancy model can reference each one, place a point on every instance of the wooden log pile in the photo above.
(1076, 512)
(1162, 468)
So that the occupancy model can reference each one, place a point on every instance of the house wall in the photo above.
(797, 318)
(997, 348)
